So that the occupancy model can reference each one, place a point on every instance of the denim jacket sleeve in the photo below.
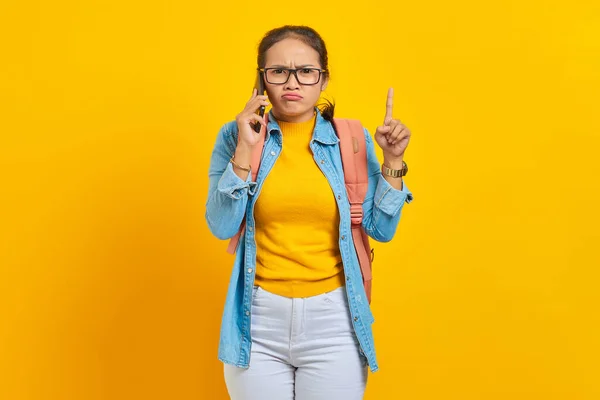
(227, 192)
(383, 203)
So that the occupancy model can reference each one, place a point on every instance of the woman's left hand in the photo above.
(393, 136)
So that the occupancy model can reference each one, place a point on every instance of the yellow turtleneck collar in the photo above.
(295, 129)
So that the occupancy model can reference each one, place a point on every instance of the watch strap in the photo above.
(394, 173)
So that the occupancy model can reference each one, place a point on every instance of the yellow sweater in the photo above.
(297, 222)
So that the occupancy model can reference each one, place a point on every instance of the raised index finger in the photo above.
(389, 105)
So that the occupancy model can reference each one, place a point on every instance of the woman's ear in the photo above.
(324, 84)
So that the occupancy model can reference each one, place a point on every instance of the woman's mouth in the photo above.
(292, 97)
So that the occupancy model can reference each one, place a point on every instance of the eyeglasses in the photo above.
(304, 76)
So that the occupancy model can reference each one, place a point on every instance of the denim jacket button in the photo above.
(273, 153)
(249, 270)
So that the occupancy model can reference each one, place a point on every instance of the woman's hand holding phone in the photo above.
(247, 119)
(248, 137)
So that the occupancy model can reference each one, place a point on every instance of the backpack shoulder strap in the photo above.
(353, 150)
(354, 160)
(255, 165)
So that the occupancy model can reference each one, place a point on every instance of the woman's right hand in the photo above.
(248, 117)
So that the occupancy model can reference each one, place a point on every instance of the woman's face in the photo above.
(293, 101)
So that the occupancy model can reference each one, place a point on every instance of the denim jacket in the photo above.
(231, 198)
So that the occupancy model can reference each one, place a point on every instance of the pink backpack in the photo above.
(354, 160)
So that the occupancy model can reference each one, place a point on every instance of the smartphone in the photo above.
(259, 85)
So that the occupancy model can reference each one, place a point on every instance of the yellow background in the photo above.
(111, 286)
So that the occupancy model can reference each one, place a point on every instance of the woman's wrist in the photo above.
(243, 154)
(394, 162)
(241, 160)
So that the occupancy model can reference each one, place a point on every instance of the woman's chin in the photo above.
(293, 111)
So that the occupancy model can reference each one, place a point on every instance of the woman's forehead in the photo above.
(292, 51)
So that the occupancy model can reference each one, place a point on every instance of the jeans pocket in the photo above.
(336, 296)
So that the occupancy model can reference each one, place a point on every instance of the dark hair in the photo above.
(310, 37)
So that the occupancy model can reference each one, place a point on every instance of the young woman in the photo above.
(297, 322)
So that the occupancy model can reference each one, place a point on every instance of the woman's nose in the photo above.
(292, 82)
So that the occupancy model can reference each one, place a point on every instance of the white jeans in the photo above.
(302, 349)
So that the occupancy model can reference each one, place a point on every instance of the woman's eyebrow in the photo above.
(287, 66)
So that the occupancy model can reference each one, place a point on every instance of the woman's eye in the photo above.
(277, 71)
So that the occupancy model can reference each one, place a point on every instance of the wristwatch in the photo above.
(395, 173)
